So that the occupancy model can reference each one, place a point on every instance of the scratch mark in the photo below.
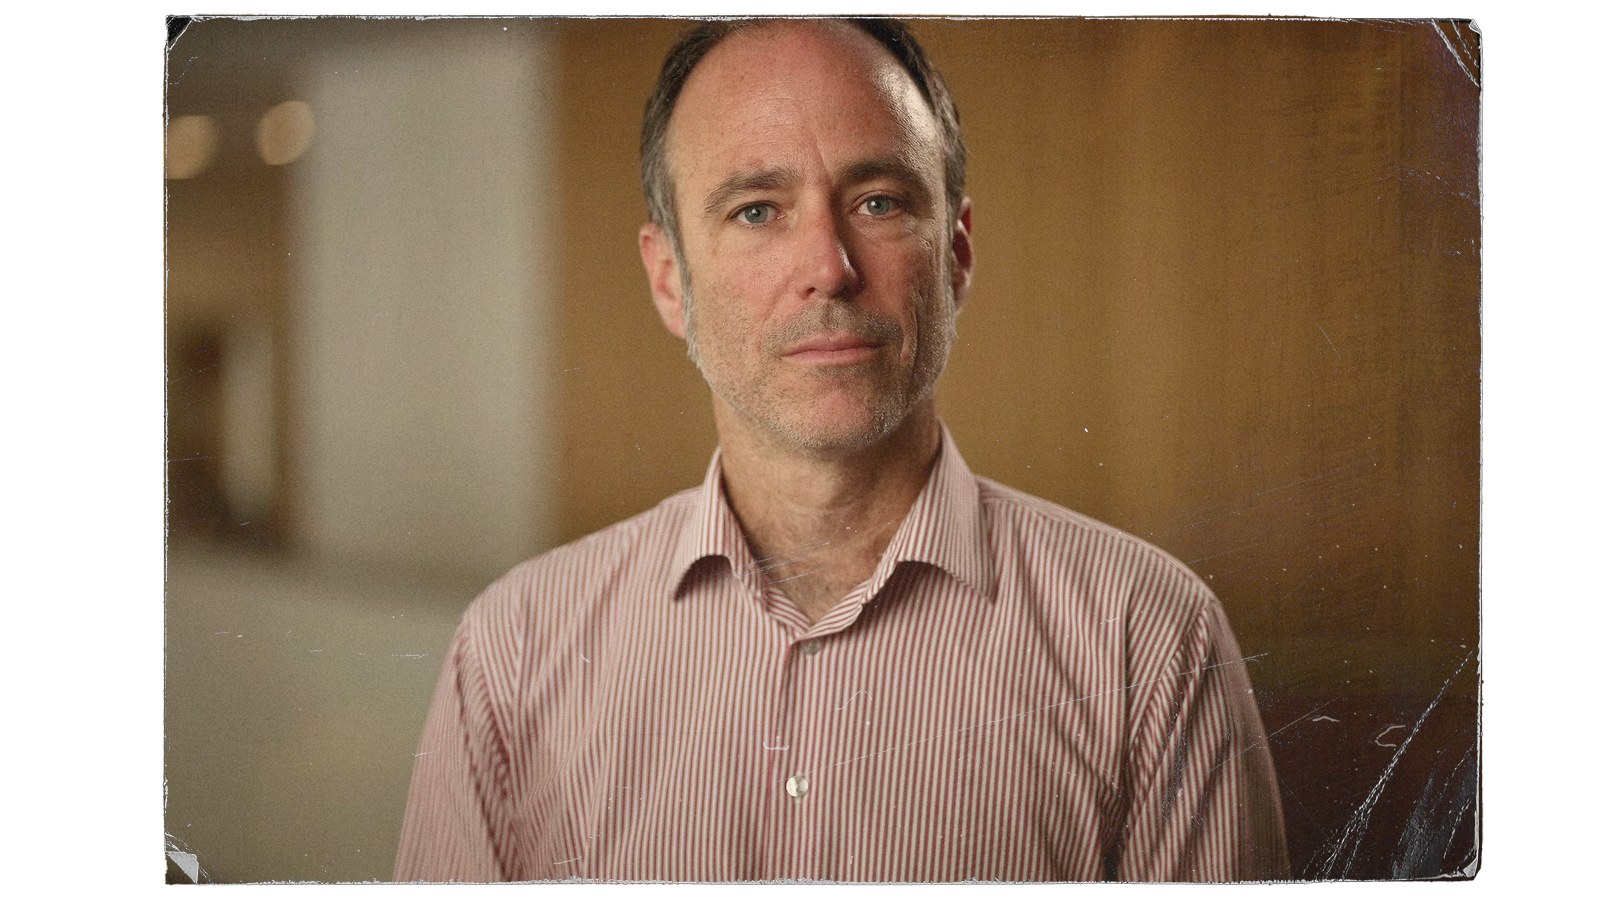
(852, 698)
(425, 753)
(1356, 828)
(1330, 343)
(1296, 588)
(804, 574)
(565, 861)
(409, 655)
(766, 746)
(1451, 47)
(787, 562)
(1324, 719)
(1302, 716)
(1426, 841)
(1379, 739)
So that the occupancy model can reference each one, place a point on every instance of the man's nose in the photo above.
(826, 260)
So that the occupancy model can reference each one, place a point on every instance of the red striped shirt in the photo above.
(1018, 693)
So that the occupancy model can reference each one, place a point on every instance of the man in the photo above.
(843, 657)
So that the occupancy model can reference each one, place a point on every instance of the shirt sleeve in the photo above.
(458, 784)
(1202, 793)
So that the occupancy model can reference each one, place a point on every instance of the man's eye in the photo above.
(878, 206)
(755, 214)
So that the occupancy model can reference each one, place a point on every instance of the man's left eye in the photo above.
(755, 214)
(878, 206)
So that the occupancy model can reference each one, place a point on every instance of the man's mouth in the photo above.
(832, 350)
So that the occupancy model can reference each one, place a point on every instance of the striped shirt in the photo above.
(1018, 693)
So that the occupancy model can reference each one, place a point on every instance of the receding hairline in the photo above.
(879, 63)
(911, 68)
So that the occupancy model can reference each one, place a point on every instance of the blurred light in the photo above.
(284, 132)
(191, 145)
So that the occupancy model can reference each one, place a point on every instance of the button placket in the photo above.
(797, 785)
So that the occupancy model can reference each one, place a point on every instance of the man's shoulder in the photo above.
(1056, 534)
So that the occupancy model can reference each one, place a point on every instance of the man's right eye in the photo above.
(755, 214)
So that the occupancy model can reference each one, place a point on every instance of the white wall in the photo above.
(420, 299)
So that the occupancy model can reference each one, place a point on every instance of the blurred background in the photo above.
(1226, 298)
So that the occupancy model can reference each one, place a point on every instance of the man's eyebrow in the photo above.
(889, 169)
(744, 182)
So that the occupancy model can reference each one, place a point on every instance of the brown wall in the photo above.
(1227, 298)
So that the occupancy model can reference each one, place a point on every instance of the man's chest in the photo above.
(897, 749)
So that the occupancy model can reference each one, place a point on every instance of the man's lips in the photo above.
(832, 349)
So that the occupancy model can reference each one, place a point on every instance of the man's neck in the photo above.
(818, 522)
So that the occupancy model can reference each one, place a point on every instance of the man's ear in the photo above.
(666, 285)
(961, 252)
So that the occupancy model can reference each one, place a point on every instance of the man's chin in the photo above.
(834, 423)
(839, 432)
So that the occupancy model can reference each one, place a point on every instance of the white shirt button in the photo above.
(811, 648)
(796, 786)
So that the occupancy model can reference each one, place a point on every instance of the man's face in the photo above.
(817, 246)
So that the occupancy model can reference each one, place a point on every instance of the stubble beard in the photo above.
(888, 409)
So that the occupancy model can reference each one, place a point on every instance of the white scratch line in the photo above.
(425, 753)
(852, 697)
(804, 574)
(1297, 720)
(565, 861)
(1324, 719)
(788, 561)
(1330, 343)
(1379, 739)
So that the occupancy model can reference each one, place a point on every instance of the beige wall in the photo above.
(1226, 298)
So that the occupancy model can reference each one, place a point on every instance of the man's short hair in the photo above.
(694, 44)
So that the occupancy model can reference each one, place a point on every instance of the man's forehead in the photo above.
(758, 76)
(828, 41)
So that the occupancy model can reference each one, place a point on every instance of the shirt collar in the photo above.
(711, 531)
(944, 528)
